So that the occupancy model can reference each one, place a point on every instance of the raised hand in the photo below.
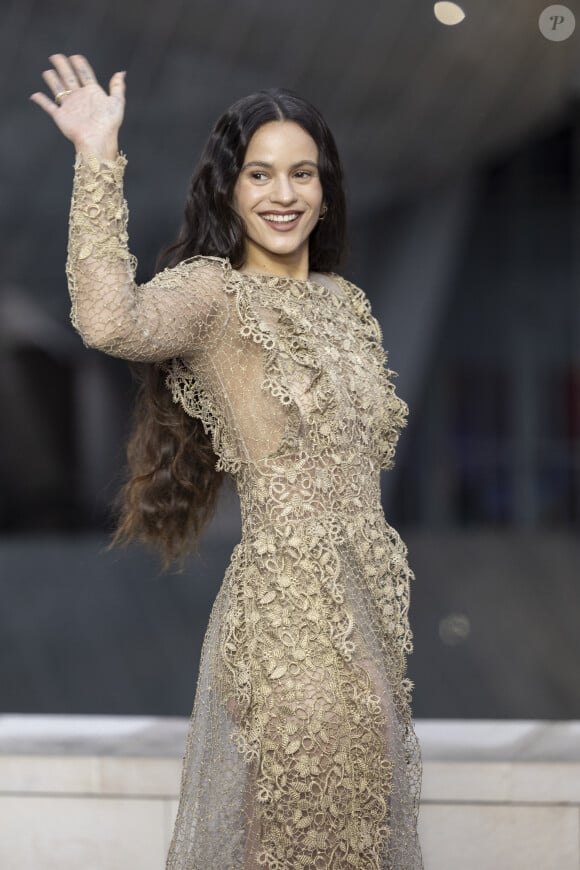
(82, 109)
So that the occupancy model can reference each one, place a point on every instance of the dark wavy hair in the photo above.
(172, 486)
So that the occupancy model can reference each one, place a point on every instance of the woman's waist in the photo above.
(304, 489)
(348, 514)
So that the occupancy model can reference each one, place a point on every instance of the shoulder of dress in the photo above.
(344, 282)
(357, 297)
(200, 260)
(215, 270)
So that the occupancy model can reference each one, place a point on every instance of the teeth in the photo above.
(280, 218)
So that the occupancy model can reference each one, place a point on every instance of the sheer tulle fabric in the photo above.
(301, 750)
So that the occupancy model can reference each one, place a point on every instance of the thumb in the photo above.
(117, 85)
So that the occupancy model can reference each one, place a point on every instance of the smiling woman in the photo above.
(265, 364)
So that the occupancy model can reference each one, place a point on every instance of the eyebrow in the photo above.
(269, 165)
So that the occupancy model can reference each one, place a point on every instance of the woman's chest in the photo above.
(328, 365)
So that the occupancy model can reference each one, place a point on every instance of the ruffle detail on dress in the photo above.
(395, 409)
(285, 349)
(187, 390)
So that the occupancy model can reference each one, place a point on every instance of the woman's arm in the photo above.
(170, 315)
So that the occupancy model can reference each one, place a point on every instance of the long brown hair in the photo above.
(172, 486)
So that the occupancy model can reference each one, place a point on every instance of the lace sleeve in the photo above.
(167, 317)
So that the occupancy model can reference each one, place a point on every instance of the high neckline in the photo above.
(314, 278)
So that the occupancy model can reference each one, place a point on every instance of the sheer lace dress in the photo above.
(301, 750)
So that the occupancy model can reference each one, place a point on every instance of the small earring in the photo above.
(323, 212)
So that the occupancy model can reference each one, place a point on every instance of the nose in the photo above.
(283, 190)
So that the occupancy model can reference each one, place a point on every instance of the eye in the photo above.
(258, 175)
(304, 173)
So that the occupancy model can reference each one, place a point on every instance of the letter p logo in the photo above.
(557, 23)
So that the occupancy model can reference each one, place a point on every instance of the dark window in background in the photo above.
(63, 431)
(38, 455)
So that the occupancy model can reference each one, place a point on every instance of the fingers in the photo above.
(69, 73)
(65, 73)
(117, 85)
(43, 101)
(83, 69)
(53, 81)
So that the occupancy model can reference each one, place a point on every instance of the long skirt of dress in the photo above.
(301, 750)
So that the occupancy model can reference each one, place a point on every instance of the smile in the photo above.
(282, 218)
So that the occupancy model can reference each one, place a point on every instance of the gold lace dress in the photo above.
(301, 751)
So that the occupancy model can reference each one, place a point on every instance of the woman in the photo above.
(266, 365)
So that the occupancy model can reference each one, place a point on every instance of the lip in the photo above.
(282, 227)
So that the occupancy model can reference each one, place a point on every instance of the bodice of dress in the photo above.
(296, 397)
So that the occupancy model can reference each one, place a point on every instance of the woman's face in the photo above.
(278, 195)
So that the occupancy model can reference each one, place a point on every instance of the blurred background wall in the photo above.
(461, 148)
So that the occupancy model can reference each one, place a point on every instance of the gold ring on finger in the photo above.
(58, 97)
